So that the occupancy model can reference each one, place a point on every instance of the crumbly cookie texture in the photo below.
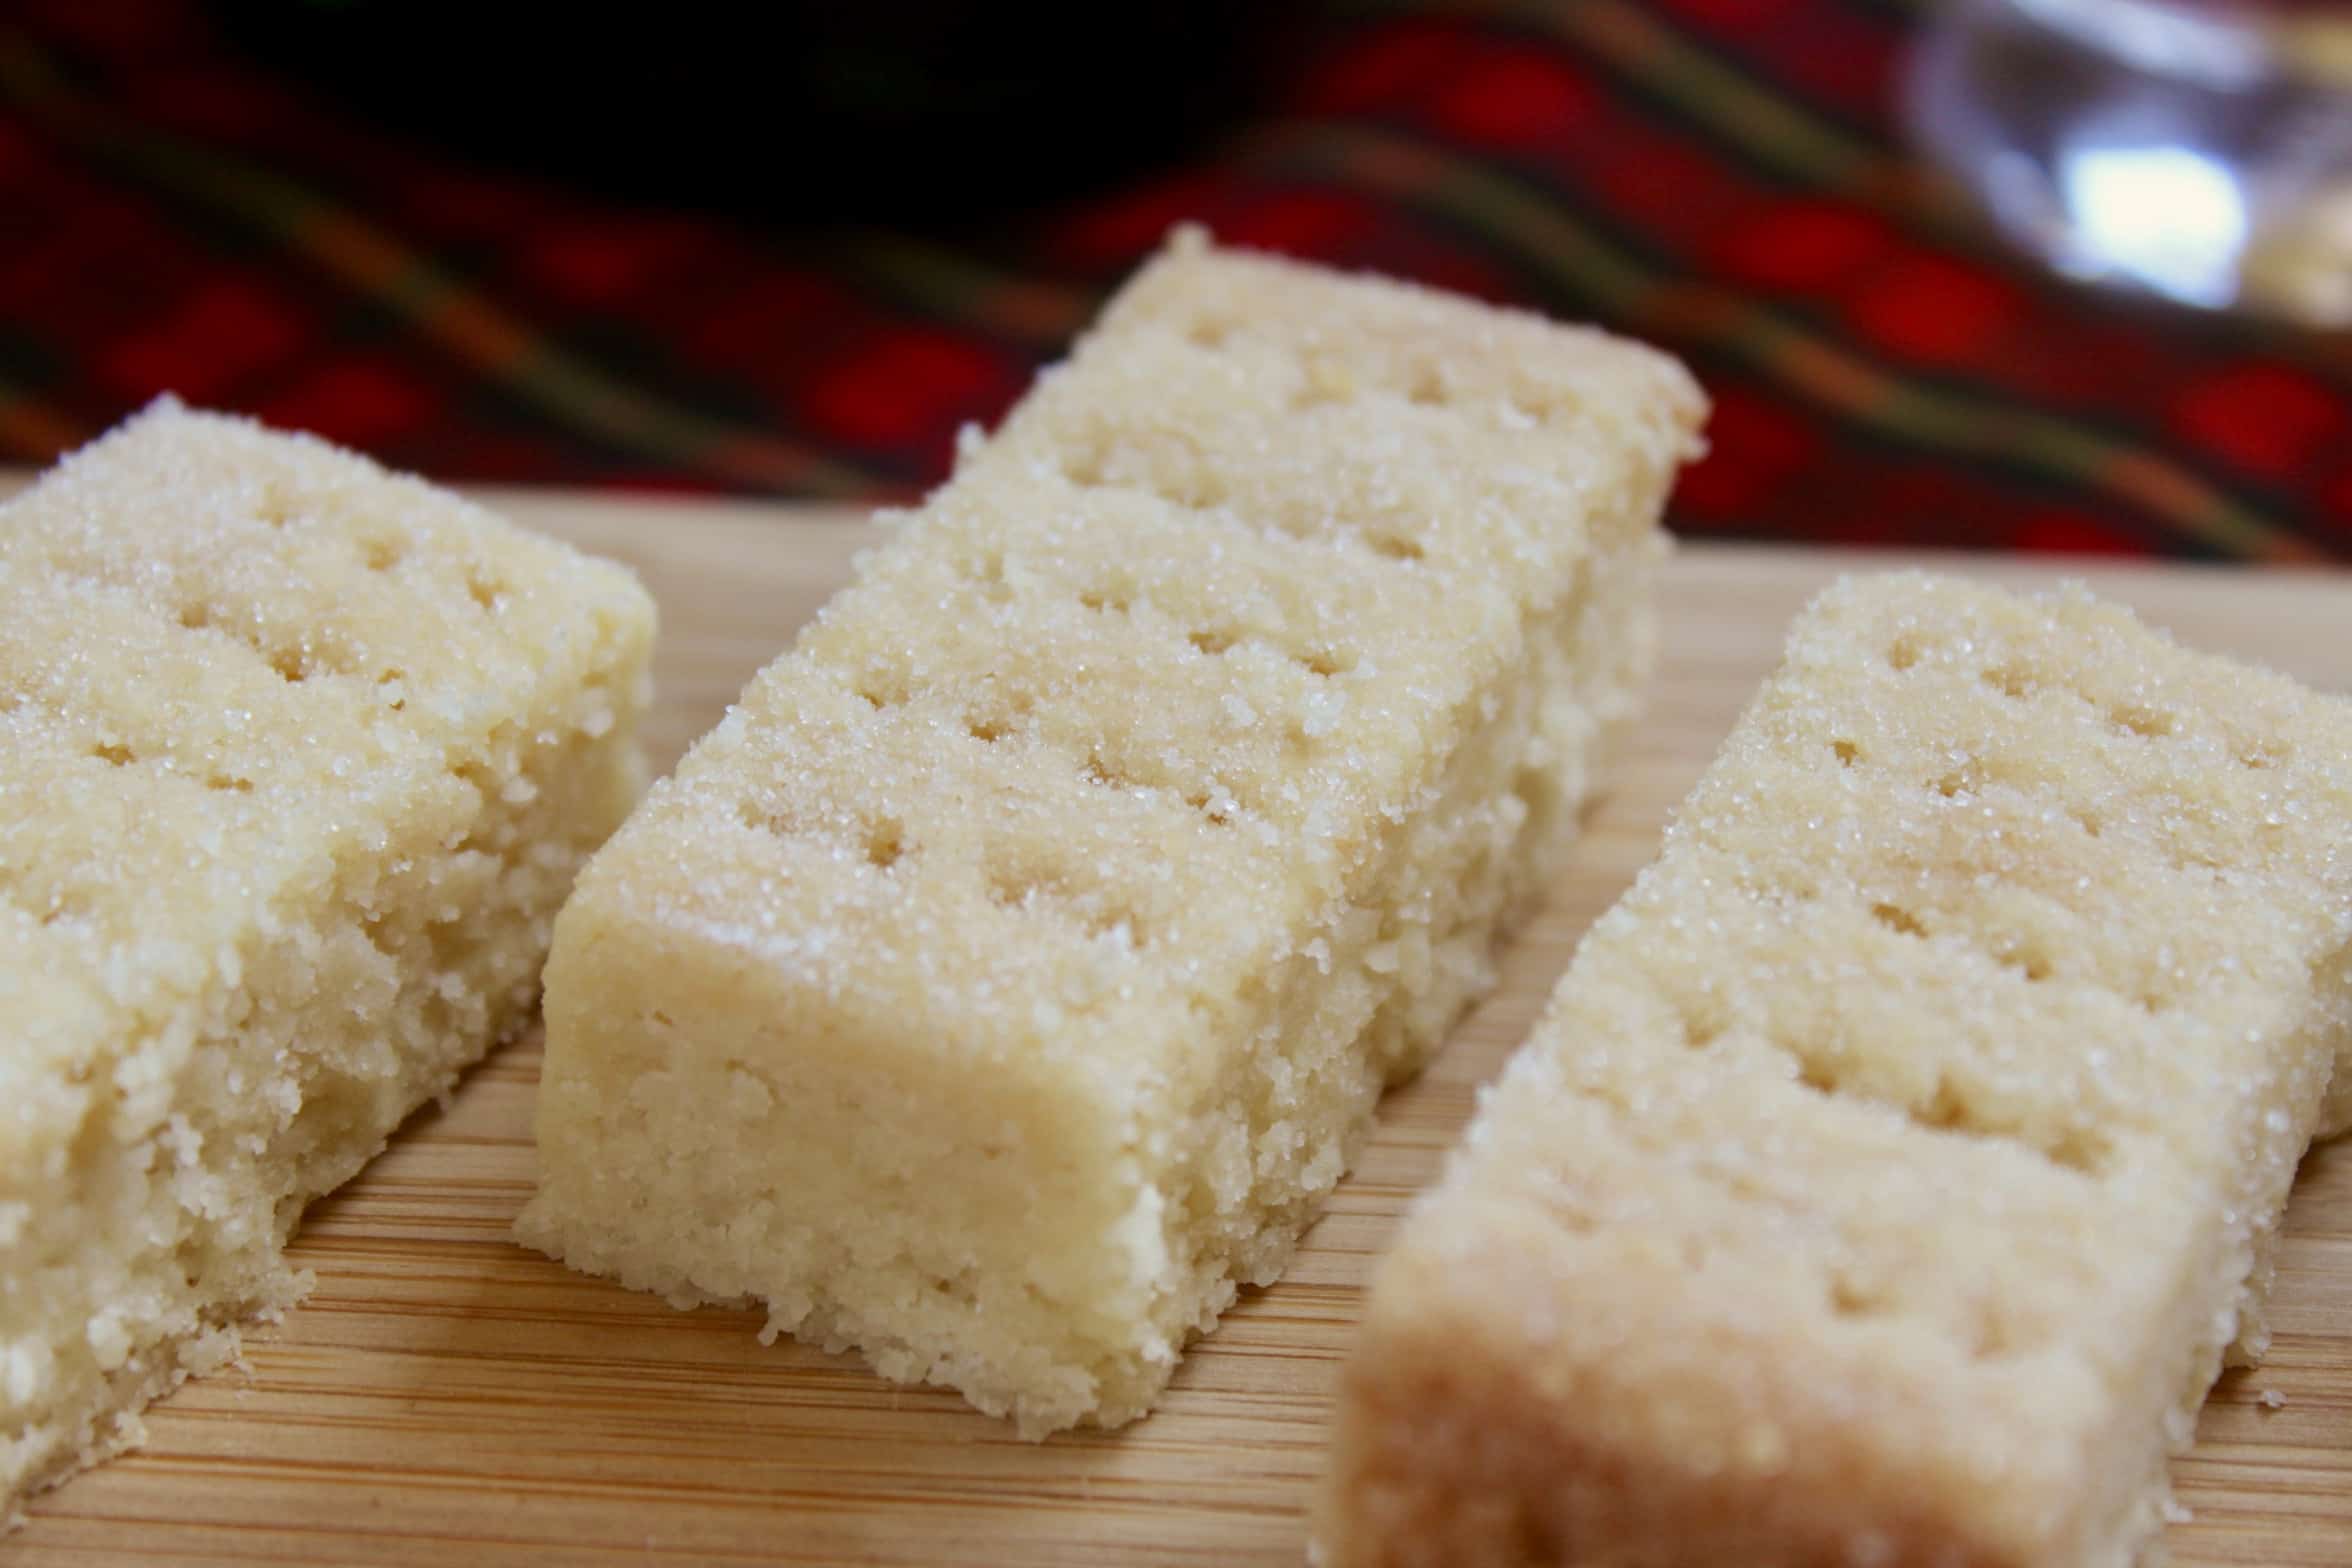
(1899, 1159)
(1015, 969)
(298, 758)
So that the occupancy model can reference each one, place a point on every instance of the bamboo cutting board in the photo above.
(447, 1397)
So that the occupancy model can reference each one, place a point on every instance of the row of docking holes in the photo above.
(1197, 489)
(2075, 1149)
(885, 844)
(1118, 599)
(1424, 388)
(120, 756)
(2016, 685)
(2072, 1148)
(1946, 1109)
(1211, 641)
(988, 728)
(383, 552)
(295, 663)
(117, 755)
(1200, 490)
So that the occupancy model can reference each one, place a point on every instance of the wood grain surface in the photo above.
(447, 1397)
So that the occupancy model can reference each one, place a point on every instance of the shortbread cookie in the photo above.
(297, 761)
(1898, 1161)
(1014, 971)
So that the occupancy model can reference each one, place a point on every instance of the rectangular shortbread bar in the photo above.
(1898, 1161)
(297, 761)
(1016, 967)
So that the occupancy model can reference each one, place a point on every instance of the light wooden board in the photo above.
(447, 1397)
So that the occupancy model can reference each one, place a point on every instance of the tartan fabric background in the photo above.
(1723, 177)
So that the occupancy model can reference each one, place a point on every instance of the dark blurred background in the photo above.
(788, 250)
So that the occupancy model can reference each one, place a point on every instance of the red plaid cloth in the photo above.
(1721, 177)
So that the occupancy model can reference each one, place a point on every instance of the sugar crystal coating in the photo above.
(297, 760)
(1014, 970)
(1898, 1161)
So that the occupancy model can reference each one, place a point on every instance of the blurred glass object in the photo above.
(2197, 150)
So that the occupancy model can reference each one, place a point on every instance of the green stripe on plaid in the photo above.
(1752, 118)
(1502, 211)
(437, 302)
(954, 287)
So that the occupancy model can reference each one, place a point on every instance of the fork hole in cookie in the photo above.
(487, 591)
(885, 843)
(1209, 332)
(2009, 681)
(2029, 960)
(1818, 1074)
(2146, 723)
(1898, 919)
(876, 694)
(1703, 1025)
(1210, 810)
(1849, 1299)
